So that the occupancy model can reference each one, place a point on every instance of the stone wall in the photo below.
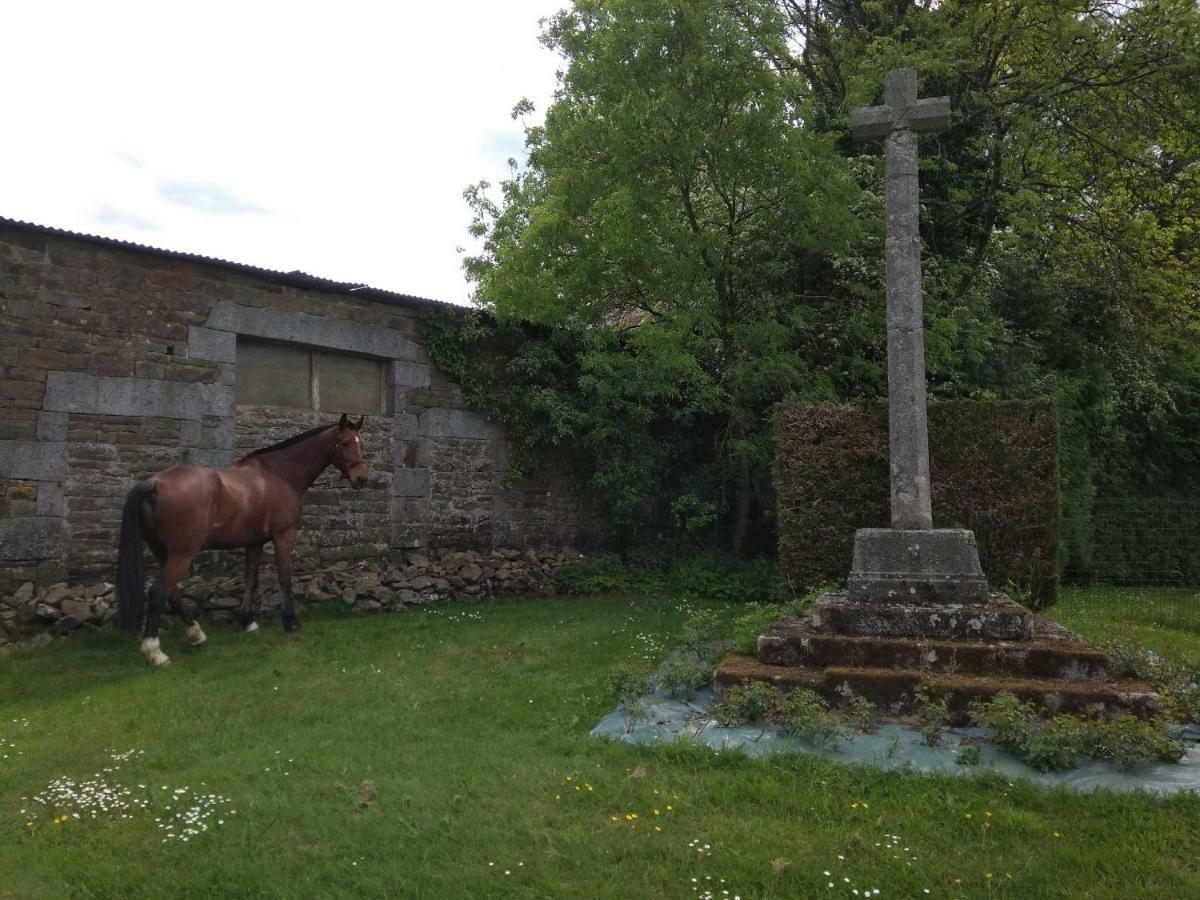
(117, 361)
(409, 579)
(339, 522)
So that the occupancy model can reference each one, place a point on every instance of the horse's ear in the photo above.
(361, 420)
(343, 422)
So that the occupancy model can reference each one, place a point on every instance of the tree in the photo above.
(1061, 207)
(694, 214)
(675, 199)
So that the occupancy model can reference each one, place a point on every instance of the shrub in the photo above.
(802, 714)
(662, 572)
(1129, 742)
(747, 627)
(752, 701)
(1047, 745)
(603, 574)
(700, 629)
(1177, 683)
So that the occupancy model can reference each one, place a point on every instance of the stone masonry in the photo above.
(917, 617)
(118, 360)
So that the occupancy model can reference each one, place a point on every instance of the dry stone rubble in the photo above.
(412, 579)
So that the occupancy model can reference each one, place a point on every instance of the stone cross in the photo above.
(897, 123)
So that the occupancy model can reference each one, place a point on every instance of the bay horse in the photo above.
(184, 509)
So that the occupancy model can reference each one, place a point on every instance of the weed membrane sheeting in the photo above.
(665, 719)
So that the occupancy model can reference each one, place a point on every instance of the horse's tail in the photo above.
(131, 579)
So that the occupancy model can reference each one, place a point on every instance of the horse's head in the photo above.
(347, 452)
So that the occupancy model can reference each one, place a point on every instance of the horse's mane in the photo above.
(294, 439)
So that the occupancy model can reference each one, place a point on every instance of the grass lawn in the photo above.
(1162, 619)
(471, 726)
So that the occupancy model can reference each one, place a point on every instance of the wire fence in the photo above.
(1140, 561)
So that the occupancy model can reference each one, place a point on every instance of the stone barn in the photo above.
(117, 360)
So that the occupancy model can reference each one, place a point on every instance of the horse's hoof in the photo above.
(291, 624)
(251, 628)
(153, 654)
(195, 635)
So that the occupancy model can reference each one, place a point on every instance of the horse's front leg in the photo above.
(253, 558)
(285, 543)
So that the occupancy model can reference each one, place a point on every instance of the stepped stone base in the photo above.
(1052, 652)
(892, 690)
(964, 652)
(996, 618)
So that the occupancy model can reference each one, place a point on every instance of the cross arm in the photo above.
(875, 122)
(871, 122)
(930, 114)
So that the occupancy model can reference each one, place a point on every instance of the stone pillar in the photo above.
(907, 419)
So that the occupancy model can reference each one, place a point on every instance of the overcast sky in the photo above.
(333, 137)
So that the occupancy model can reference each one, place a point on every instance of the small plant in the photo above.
(1021, 592)
(804, 715)
(934, 716)
(628, 686)
(969, 754)
(752, 701)
(700, 629)
(601, 575)
(683, 673)
(863, 715)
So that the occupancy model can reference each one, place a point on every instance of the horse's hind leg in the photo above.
(154, 610)
(195, 634)
(164, 586)
(253, 557)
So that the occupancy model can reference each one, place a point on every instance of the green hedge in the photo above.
(994, 468)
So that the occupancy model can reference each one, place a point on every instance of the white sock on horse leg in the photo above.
(253, 626)
(153, 653)
(196, 635)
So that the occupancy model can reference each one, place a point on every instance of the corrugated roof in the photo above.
(293, 279)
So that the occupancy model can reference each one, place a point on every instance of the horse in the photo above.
(184, 509)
